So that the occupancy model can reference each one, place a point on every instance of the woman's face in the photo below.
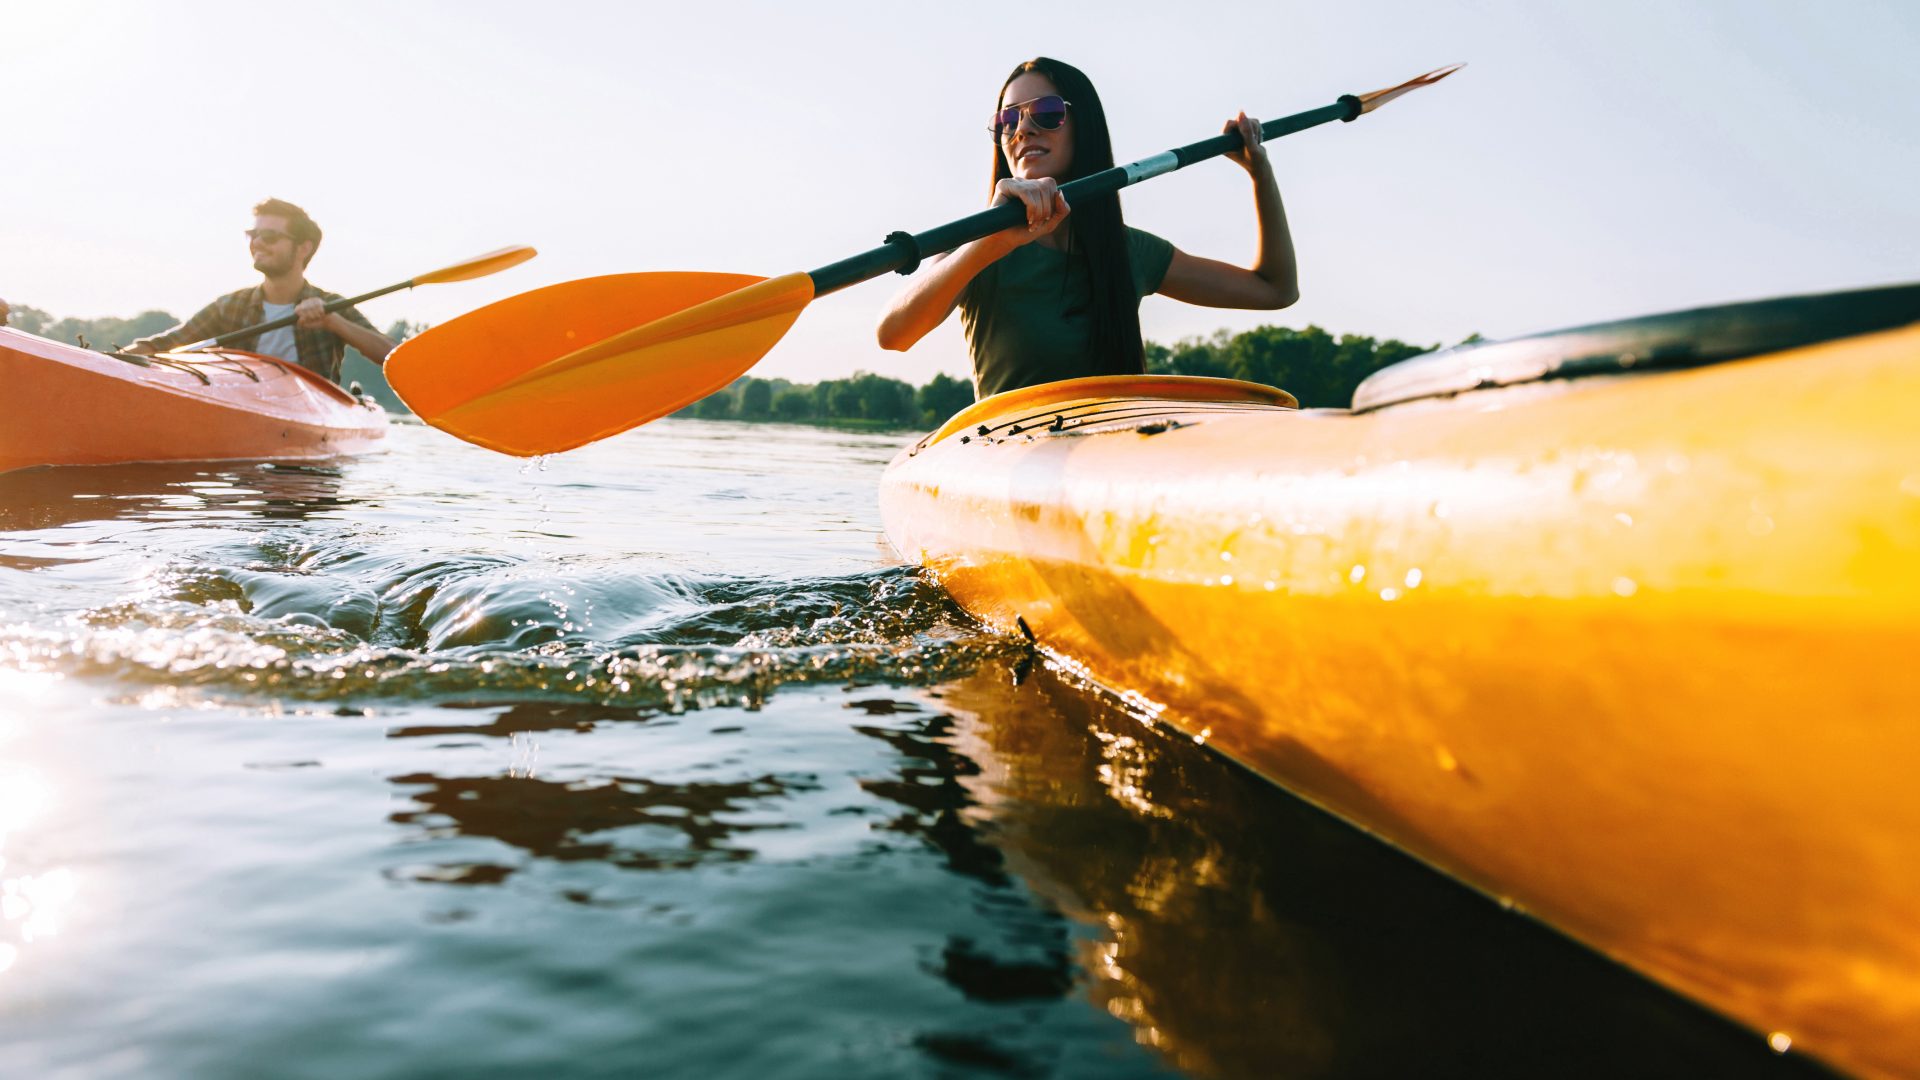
(1032, 151)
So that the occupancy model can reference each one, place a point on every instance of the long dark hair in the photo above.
(1096, 234)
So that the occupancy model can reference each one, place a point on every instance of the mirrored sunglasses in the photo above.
(1045, 113)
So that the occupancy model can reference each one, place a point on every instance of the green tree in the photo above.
(943, 396)
(1295, 360)
(109, 333)
(30, 319)
(756, 399)
(401, 330)
(1190, 356)
(793, 405)
(715, 406)
(888, 401)
(1315, 367)
(845, 398)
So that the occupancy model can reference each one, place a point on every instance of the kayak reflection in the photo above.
(48, 498)
(1244, 933)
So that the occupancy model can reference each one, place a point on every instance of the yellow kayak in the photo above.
(1611, 624)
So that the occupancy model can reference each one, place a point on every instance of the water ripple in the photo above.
(335, 626)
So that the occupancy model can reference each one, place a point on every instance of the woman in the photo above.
(1040, 302)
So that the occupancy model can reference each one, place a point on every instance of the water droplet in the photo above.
(1226, 556)
(1625, 586)
(1624, 518)
(1389, 594)
(1413, 578)
(1780, 1041)
(1226, 579)
(1357, 574)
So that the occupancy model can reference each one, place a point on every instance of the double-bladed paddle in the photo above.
(478, 266)
(569, 364)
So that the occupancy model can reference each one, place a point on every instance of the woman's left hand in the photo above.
(1253, 152)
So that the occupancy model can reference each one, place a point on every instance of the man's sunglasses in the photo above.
(267, 236)
(1045, 113)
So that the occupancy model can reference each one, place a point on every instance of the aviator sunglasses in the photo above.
(1046, 113)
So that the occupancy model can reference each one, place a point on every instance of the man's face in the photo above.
(274, 251)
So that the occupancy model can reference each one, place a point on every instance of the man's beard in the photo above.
(267, 265)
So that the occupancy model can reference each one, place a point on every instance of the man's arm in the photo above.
(208, 322)
(348, 325)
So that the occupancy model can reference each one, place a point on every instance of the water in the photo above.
(651, 760)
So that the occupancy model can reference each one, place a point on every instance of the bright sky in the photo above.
(1594, 160)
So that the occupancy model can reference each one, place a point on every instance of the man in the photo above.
(282, 240)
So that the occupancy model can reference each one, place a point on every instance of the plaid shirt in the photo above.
(320, 350)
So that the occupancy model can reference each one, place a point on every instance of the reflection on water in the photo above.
(47, 498)
(34, 896)
(929, 787)
(667, 826)
(652, 763)
(1243, 933)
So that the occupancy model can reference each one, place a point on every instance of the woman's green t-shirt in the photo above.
(1037, 327)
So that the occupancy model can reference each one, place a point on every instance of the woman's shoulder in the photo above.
(1150, 256)
(1140, 240)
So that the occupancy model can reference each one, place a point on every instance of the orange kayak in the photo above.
(1616, 625)
(66, 405)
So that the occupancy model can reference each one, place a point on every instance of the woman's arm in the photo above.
(1274, 280)
(929, 297)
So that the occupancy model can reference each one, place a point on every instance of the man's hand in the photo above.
(313, 314)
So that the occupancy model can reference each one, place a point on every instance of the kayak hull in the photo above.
(1627, 653)
(72, 406)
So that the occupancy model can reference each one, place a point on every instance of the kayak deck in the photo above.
(71, 406)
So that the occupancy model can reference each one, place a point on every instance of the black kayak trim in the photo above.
(1679, 339)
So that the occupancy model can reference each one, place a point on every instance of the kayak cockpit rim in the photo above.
(1038, 405)
(1679, 339)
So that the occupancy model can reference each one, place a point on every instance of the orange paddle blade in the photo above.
(478, 266)
(563, 366)
(1372, 101)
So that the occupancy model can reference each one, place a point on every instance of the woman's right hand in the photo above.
(1046, 207)
(931, 295)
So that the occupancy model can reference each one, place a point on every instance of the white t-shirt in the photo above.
(279, 342)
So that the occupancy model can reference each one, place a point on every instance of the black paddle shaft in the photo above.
(288, 320)
(902, 252)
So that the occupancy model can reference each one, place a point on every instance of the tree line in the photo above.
(864, 400)
(1318, 368)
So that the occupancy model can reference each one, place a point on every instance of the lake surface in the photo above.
(654, 761)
